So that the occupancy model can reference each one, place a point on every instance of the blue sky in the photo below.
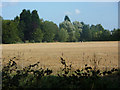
(105, 13)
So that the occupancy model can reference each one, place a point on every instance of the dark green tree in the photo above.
(9, 32)
(1, 29)
(86, 33)
(21, 28)
(67, 18)
(37, 35)
(106, 35)
(116, 34)
(98, 32)
(35, 20)
(17, 19)
(49, 30)
(25, 18)
(94, 32)
(35, 25)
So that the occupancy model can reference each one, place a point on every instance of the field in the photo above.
(48, 54)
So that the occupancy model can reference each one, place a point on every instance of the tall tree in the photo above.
(35, 19)
(67, 18)
(25, 18)
(70, 29)
(35, 24)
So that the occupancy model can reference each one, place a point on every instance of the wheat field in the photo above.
(77, 53)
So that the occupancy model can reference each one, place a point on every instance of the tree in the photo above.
(10, 32)
(28, 26)
(21, 28)
(77, 25)
(1, 29)
(49, 30)
(116, 34)
(67, 18)
(25, 18)
(17, 19)
(106, 35)
(62, 35)
(98, 32)
(94, 32)
(35, 20)
(37, 35)
(78, 29)
(70, 29)
(77, 35)
(86, 33)
(35, 24)
(67, 25)
(72, 37)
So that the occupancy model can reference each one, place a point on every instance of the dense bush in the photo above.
(33, 76)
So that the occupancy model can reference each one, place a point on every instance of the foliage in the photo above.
(78, 30)
(25, 24)
(86, 33)
(34, 76)
(67, 18)
(29, 27)
(67, 25)
(37, 35)
(12, 77)
(62, 35)
(78, 26)
(10, 35)
(1, 29)
(49, 30)
(116, 34)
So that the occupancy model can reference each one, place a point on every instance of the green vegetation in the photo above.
(34, 76)
(28, 27)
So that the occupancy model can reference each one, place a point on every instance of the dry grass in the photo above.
(101, 54)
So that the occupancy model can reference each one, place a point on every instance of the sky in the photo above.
(105, 13)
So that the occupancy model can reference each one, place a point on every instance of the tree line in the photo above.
(28, 27)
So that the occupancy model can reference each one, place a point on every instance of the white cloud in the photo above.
(77, 11)
(68, 13)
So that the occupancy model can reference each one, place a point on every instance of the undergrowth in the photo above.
(30, 77)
